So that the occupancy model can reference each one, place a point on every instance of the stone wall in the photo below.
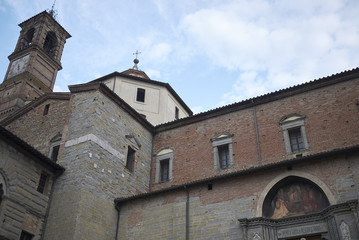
(22, 206)
(331, 122)
(98, 133)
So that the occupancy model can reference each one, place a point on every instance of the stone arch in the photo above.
(164, 150)
(3, 186)
(319, 183)
(50, 43)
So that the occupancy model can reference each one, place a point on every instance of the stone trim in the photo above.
(102, 143)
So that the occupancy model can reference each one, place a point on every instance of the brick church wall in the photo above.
(331, 122)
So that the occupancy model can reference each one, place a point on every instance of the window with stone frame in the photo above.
(130, 162)
(164, 163)
(26, 236)
(295, 138)
(42, 182)
(140, 95)
(55, 147)
(164, 169)
(222, 151)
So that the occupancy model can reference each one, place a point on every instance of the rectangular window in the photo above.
(26, 236)
(130, 163)
(296, 140)
(55, 153)
(140, 95)
(164, 170)
(42, 183)
(46, 109)
(223, 155)
(176, 113)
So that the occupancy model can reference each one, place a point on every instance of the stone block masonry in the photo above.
(94, 155)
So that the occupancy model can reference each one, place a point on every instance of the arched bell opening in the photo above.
(50, 43)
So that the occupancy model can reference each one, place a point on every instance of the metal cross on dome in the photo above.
(136, 53)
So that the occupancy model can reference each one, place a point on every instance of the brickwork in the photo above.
(94, 155)
(22, 206)
(331, 121)
(214, 213)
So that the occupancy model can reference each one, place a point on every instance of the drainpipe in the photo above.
(118, 218)
(187, 213)
(150, 183)
(257, 135)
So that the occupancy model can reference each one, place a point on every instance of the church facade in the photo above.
(280, 166)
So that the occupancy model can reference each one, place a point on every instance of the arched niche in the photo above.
(50, 43)
(294, 196)
(299, 175)
(3, 188)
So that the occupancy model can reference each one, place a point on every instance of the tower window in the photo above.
(164, 169)
(140, 95)
(27, 40)
(130, 163)
(176, 113)
(50, 43)
(42, 183)
(46, 109)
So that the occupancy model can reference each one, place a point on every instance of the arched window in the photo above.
(50, 43)
(294, 196)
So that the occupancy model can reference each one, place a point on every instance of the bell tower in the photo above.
(34, 63)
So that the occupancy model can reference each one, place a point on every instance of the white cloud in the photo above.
(274, 45)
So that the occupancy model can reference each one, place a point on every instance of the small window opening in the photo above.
(140, 95)
(42, 183)
(223, 154)
(55, 153)
(130, 163)
(210, 186)
(26, 236)
(46, 109)
(165, 167)
(176, 113)
(296, 140)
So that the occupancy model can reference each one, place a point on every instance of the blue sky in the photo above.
(212, 52)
